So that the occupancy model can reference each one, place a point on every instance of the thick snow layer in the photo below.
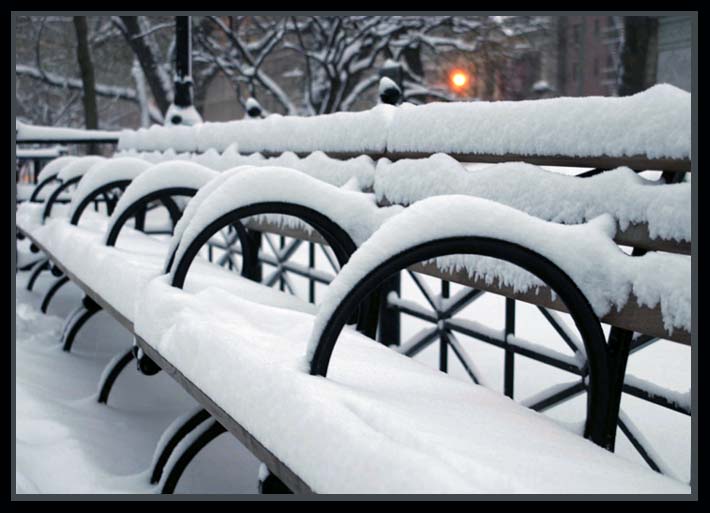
(119, 273)
(333, 171)
(40, 153)
(160, 176)
(27, 132)
(29, 216)
(194, 204)
(103, 173)
(342, 131)
(380, 422)
(628, 197)
(654, 123)
(56, 165)
(317, 164)
(354, 212)
(586, 252)
(24, 191)
(66, 442)
(79, 167)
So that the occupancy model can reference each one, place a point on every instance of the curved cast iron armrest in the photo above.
(55, 196)
(341, 243)
(162, 195)
(334, 235)
(34, 197)
(599, 427)
(92, 195)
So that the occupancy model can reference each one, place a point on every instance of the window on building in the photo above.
(596, 66)
(596, 27)
(575, 72)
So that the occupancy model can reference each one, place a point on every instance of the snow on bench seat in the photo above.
(609, 278)
(353, 132)
(628, 197)
(316, 164)
(118, 274)
(651, 128)
(654, 123)
(380, 422)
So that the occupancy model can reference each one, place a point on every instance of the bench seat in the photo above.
(135, 260)
(380, 422)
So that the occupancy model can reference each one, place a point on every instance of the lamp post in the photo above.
(182, 111)
(183, 61)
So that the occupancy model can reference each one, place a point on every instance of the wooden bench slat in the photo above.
(275, 465)
(635, 162)
(632, 316)
(648, 321)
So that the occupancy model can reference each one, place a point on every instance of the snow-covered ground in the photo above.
(664, 363)
(66, 442)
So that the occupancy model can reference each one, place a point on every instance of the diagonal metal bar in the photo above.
(430, 297)
(408, 307)
(461, 300)
(418, 342)
(331, 259)
(228, 250)
(633, 437)
(463, 357)
(271, 244)
(482, 333)
(288, 251)
(288, 284)
(270, 280)
(563, 331)
(315, 275)
(554, 395)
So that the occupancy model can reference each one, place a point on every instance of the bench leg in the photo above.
(269, 483)
(180, 429)
(619, 345)
(52, 291)
(111, 373)
(76, 320)
(389, 318)
(208, 431)
(42, 265)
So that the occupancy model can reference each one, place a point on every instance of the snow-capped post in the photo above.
(389, 91)
(253, 108)
(183, 61)
(182, 111)
(391, 82)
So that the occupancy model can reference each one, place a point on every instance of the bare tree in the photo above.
(86, 67)
(49, 86)
(140, 37)
(292, 64)
(639, 36)
(340, 55)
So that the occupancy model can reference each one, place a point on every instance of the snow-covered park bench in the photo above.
(386, 191)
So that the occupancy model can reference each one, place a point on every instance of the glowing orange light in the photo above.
(459, 79)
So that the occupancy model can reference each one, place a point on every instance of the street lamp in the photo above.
(459, 79)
